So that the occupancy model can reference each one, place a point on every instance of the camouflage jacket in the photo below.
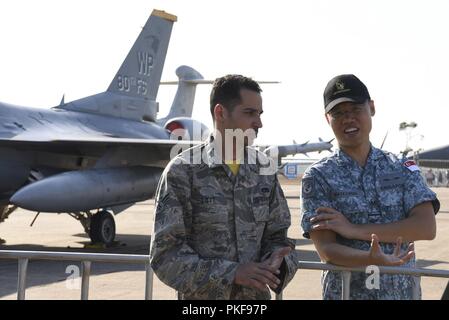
(384, 191)
(208, 221)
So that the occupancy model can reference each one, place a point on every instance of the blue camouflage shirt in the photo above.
(384, 191)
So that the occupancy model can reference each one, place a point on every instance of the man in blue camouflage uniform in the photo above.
(360, 203)
(220, 227)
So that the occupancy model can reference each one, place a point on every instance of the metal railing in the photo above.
(86, 260)
(346, 274)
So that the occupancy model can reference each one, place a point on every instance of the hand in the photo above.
(275, 260)
(256, 275)
(276, 257)
(395, 259)
(331, 219)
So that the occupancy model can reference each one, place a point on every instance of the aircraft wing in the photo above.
(92, 145)
(99, 140)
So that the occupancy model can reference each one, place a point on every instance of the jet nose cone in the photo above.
(17, 199)
(27, 197)
(44, 196)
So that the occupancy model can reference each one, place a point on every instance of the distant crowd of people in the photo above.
(436, 177)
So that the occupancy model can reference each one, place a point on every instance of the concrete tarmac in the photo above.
(54, 280)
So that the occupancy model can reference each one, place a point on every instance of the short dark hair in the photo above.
(226, 91)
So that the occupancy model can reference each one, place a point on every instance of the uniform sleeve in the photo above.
(416, 192)
(315, 193)
(275, 235)
(173, 260)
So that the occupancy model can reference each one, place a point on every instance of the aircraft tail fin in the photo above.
(140, 73)
(189, 78)
(182, 105)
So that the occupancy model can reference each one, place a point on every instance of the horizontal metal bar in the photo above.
(133, 258)
(86, 260)
(74, 256)
(418, 272)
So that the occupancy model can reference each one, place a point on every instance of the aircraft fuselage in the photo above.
(20, 161)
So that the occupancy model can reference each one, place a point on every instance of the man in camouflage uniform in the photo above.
(220, 228)
(360, 201)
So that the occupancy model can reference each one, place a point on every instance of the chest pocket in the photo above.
(347, 202)
(391, 195)
(391, 203)
(260, 202)
(350, 204)
(209, 206)
(391, 188)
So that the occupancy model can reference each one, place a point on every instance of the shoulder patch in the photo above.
(308, 187)
(411, 165)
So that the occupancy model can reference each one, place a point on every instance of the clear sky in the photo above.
(400, 49)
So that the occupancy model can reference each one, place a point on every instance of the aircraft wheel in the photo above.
(102, 228)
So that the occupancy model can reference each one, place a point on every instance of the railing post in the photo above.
(148, 281)
(416, 288)
(445, 295)
(21, 279)
(85, 274)
(346, 285)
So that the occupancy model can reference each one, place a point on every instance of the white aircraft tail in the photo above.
(182, 105)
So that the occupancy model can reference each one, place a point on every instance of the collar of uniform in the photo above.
(213, 160)
(213, 157)
(251, 160)
(343, 158)
(373, 155)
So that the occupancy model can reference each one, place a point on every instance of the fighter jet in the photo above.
(96, 156)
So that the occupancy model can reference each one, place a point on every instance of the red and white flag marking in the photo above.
(411, 165)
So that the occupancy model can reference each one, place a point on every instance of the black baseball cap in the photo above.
(344, 88)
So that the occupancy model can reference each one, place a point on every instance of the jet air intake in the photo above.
(182, 128)
(78, 191)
